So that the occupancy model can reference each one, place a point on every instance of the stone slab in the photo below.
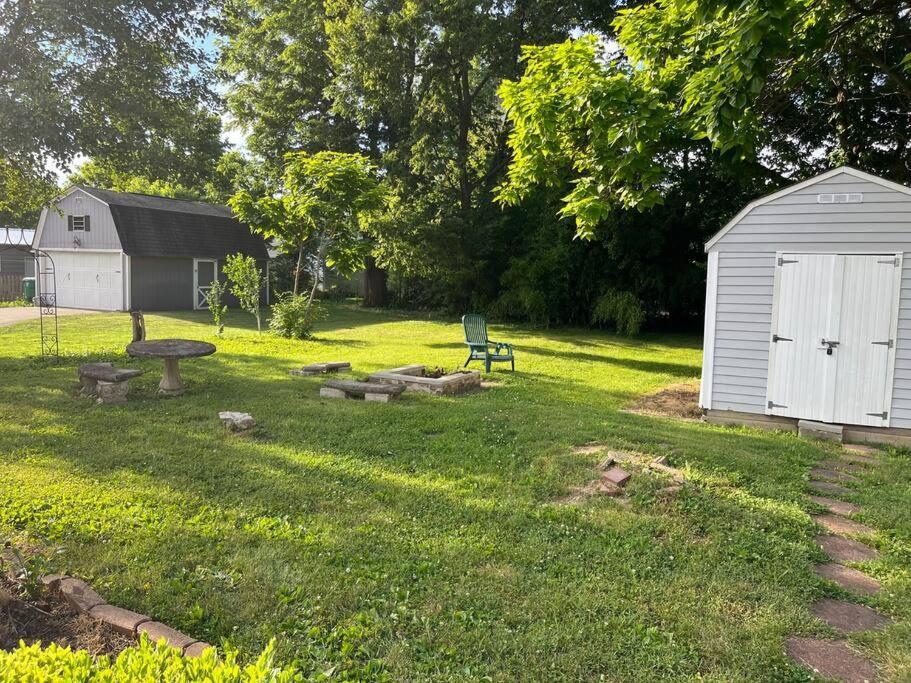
(829, 487)
(155, 630)
(831, 659)
(843, 465)
(121, 620)
(52, 581)
(843, 550)
(236, 421)
(839, 507)
(79, 594)
(195, 649)
(329, 392)
(352, 388)
(848, 617)
(819, 430)
(617, 475)
(322, 368)
(842, 525)
(832, 475)
(850, 579)
(860, 458)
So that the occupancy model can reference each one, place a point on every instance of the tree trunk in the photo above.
(297, 270)
(375, 293)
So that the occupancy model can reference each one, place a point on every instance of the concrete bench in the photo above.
(369, 391)
(322, 368)
(109, 384)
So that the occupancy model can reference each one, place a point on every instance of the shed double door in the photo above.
(832, 351)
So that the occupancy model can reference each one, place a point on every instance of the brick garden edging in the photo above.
(84, 600)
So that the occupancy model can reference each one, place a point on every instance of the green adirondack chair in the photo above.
(479, 346)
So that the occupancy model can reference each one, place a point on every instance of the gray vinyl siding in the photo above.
(746, 274)
(102, 233)
(166, 284)
(15, 261)
(161, 284)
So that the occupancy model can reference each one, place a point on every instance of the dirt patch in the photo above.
(680, 401)
(49, 619)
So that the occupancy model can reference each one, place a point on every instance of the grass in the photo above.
(418, 540)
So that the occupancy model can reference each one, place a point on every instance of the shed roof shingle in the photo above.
(161, 226)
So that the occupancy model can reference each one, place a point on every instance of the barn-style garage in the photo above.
(808, 309)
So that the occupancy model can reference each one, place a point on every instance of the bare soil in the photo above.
(50, 619)
(680, 401)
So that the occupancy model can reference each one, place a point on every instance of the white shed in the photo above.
(808, 309)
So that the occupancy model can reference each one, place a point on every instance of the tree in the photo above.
(246, 283)
(772, 91)
(94, 173)
(327, 199)
(102, 75)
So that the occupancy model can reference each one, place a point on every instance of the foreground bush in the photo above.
(292, 317)
(146, 663)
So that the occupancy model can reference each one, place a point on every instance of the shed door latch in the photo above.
(782, 261)
(882, 416)
(888, 344)
(891, 261)
(776, 339)
(775, 405)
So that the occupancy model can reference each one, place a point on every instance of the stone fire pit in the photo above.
(417, 378)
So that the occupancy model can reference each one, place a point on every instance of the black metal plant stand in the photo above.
(45, 290)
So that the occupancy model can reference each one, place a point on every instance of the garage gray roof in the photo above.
(161, 226)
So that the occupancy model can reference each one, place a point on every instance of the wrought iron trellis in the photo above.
(45, 299)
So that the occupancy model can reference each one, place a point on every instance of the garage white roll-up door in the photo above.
(92, 280)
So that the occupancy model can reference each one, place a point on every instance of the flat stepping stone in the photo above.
(839, 507)
(851, 580)
(322, 368)
(843, 465)
(617, 475)
(831, 659)
(848, 616)
(831, 475)
(843, 550)
(842, 525)
(829, 487)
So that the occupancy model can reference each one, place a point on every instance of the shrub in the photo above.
(246, 283)
(145, 663)
(621, 308)
(291, 316)
(215, 301)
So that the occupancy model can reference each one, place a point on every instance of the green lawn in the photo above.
(418, 540)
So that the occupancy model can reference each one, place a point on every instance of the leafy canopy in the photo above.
(776, 86)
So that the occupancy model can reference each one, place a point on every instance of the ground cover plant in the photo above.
(420, 539)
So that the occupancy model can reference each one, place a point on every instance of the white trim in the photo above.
(890, 370)
(80, 250)
(125, 269)
(708, 339)
(799, 186)
(36, 240)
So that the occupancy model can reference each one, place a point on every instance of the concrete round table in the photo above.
(172, 351)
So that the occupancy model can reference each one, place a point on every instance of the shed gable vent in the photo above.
(840, 198)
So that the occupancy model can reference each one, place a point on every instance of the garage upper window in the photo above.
(78, 223)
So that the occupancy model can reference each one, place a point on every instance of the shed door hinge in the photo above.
(889, 343)
(782, 261)
(890, 261)
(775, 405)
(883, 415)
(776, 339)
